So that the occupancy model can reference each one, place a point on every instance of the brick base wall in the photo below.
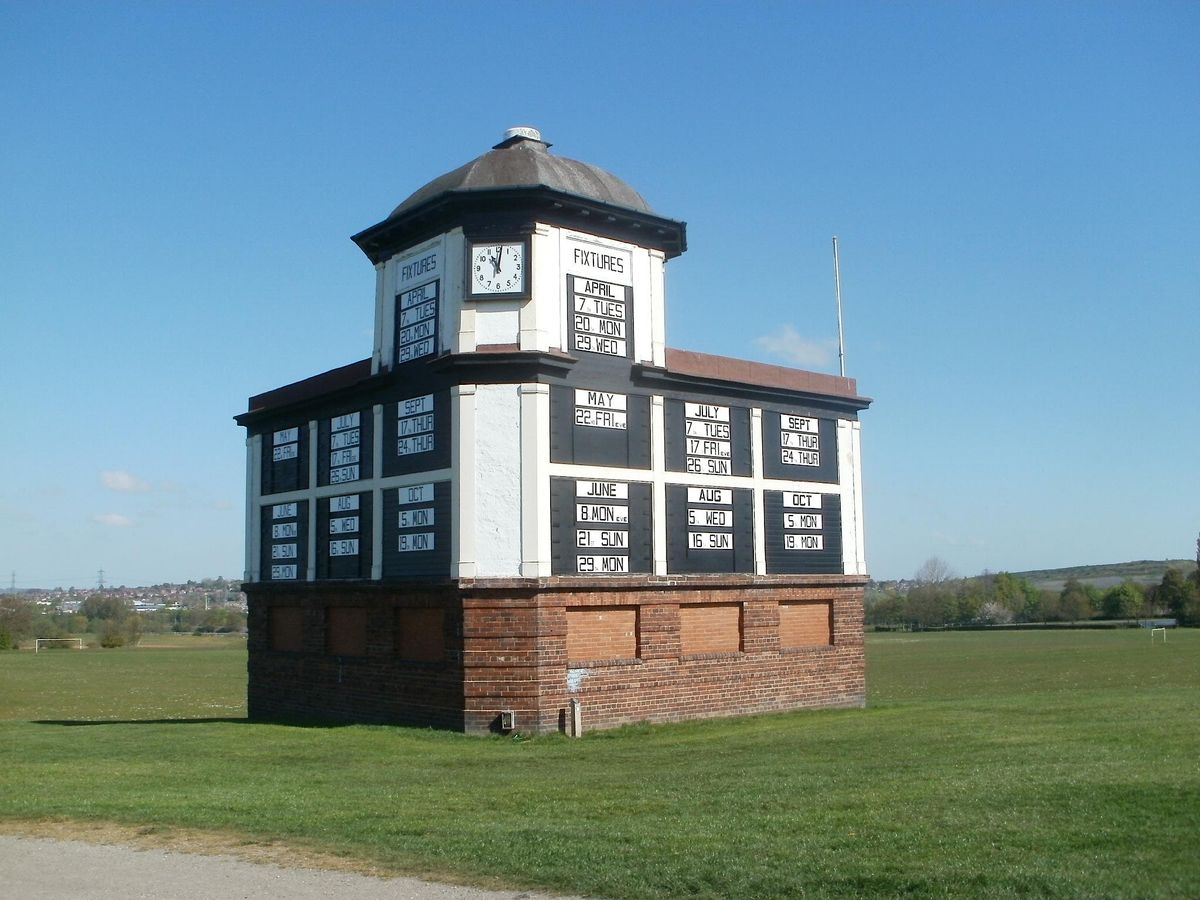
(740, 645)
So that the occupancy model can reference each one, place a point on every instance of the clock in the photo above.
(496, 269)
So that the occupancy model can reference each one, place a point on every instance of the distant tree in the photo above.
(884, 607)
(930, 604)
(110, 634)
(102, 606)
(1180, 597)
(16, 618)
(1074, 603)
(1123, 601)
(933, 571)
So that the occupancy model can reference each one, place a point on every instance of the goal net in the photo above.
(38, 643)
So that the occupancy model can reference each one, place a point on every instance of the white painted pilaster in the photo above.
(378, 357)
(376, 493)
(760, 511)
(497, 469)
(658, 465)
(658, 308)
(535, 480)
(253, 507)
(462, 484)
(312, 506)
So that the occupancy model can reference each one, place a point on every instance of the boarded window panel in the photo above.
(601, 633)
(710, 628)
(805, 624)
(287, 628)
(346, 631)
(420, 634)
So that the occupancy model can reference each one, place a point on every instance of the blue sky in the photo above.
(1015, 187)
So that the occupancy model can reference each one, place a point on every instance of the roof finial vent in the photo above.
(519, 133)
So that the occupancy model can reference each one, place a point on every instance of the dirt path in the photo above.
(38, 867)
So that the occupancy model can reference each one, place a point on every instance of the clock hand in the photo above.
(496, 261)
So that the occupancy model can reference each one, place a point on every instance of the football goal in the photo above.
(38, 642)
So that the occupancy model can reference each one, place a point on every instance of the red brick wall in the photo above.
(511, 645)
(805, 624)
(710, 628)
(379, 686)
(420, 634)
(601, 633)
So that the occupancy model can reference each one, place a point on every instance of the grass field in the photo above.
(1025, 764)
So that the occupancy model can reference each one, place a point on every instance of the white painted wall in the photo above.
(497, 471)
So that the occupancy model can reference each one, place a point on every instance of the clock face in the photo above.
(498, 268)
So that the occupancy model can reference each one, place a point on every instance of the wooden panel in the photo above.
(420, 634)
(346, 630)
(805, 624)
(601, 633)
(710, 628)
(287, 628)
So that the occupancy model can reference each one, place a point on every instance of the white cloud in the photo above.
(118, 480)
(797, 349)
(221, 505)
(113, 520)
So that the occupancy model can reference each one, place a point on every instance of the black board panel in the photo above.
(599, 427)
(803, 533)
(284, 540)
(416, 433)
(285, 458)
(600, 320)
(417, 315)
(709, 529)
(344, 447)
(601, 527)
(799, 447)
(416, 530)
(344, 536)
(707, 438)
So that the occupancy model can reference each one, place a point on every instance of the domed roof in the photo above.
(523, 159)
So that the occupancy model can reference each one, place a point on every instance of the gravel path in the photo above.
(42, 868)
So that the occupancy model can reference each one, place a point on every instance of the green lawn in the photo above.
(1032, 763)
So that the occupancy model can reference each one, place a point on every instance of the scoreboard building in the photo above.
(526, 511)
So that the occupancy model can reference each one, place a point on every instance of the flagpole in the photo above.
(837, 282)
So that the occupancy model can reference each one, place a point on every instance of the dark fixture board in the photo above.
(799, 447)
(285, 459)
(417, 315)
(416, 530)
(803, 532)
(601, 317)
(344, 447)
(416, 433)
(284, 530)
(707, 438)
(600, 527)
(709, 529)
(599, 427)
(344, 536)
